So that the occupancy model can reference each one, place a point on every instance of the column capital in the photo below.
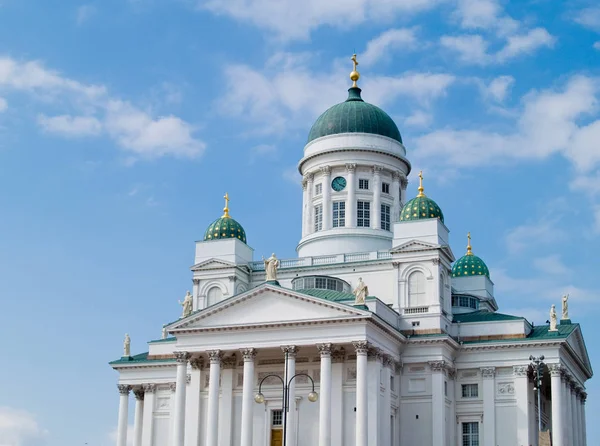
(351, 167)
(149, 388)
(488, 372)
(197, 363)
(325, 349)
(291, 350)
(361, 347)
(196, 281)
(437, 366)
(398, 366)
(377, 170)
(215, 356)
(325, 170)
(338, 356)
(451, 372)
(304, 183)
(309, 177)
(404, 183)
(555, 369)
(388, 361)
(139, 393)
(182, 357)
(172, 387)
(374, 353)
(229, 362)
(248, 354)
(124, 389)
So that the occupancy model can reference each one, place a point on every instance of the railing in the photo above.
(356, 257)
(416, 310)
(324, 260)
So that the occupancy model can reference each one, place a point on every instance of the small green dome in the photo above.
(420, 208)
(354, 116)
(225, 227)
(470, 264)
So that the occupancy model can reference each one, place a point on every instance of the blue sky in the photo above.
(123, 123)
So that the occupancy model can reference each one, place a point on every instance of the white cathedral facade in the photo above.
(381, 336)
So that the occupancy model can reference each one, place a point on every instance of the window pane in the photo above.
(385, 188)
(318, 217)
(318, 189)
(385, 217)
(363, 214)
(416, 289)
(339, 214)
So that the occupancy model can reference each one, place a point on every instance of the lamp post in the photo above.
(285, 400)
(538, 365)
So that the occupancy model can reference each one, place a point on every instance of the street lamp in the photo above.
(285, 400)
(538, 365)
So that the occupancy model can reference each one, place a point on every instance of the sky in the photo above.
(124, 122)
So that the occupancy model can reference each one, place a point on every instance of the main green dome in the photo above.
(354, 116)
(470, 265)
(225, 227)
(421, 207)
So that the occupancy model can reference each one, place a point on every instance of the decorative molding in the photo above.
(291, 350)
(229, 362)
(149, 388)
(377, 170)
(361, 347)
(555, 369)
(124, 389)
(506, 389)
(232, 278)
(404, 183)
(188, 378)
(196, 281)
(248, 354)
(435, 261)
(374, 353)
(452, 373)
(398, 366)
(325, 350)
(197, 363)
(173, 387)
(389, 362)
(396, 176)
(350, 167)
(520, 370)
(139, 394)
(488, 372)
(326, 170)
(182, 357)
(437, 366)
(338, 356)
(215, 356)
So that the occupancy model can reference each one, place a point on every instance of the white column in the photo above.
(247, 395)
(438, 402)
(337, 396)
(326, 171)
(361, 393)
(197, 305)
(567, 432)
(305, 204)
(138, 420)
(351, 203)
(452, 397)
(374, 358)
(489, 406)
(575, 409)
(212, 409)
(192, 404)
(532, 414)
(396, 196)
(325, 396)
(291, 351)
(522, 394)
(123, 414)
(556, 389)
(180, 388)
(386, 412)
(376, 211)
(584, 398)
(310, 187)
(226, 404)
(148, 423)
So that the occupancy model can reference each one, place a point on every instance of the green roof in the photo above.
(484, 316)
(420, 208)
(136, 359)
(333, 296)
(354, 116)
(543, 331)
(156, 341)
(470, 265)
(225, 227)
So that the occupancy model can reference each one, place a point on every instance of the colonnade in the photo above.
(568, 408)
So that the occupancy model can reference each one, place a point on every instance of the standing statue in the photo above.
(164, 332)
(187, 305)
(565, 307)
(553, 318)
(360, 292)
(127, 345)
(271, 265)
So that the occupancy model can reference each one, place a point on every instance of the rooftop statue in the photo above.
(360, 292)
(271, 265)
(187, 305)
(565, 307)
(127, 345)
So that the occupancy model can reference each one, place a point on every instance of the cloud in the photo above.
(551, 265)
(588, 18)
(3, 105)
(386, 43)
(84, 13)
(133, 129)
(525, 44)
(498, 88)
(291, 174)
(470, 48)
(485, 15)
(289, 20)
(536, 234)
(70, 126)
(419, 119)
(20, 428)
(263, 151)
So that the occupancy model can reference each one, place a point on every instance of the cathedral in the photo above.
(374, 335)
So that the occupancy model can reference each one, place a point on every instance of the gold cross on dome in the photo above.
(226, 208)
(353, 58)
(469, 249)
(421, 188)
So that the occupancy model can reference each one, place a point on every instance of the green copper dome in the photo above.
(225, 227)
(470, 264)
(354, 116)
(421, 207)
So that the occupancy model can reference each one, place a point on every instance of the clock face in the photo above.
(338, 184)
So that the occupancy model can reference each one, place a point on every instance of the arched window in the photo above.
(416, 289)
(214, 295)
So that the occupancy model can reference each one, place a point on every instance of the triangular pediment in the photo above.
(212, 264)
(577, 344)
(413, 246)
(267, 305)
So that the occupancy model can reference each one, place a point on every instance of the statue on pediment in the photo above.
(553, 318)
(565, 307)
(127, 345)
(164, 332)
(187, 305)
(360, 292)
(271, 265)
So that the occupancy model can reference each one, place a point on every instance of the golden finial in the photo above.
(226, 208)
(355, 75)
(469, 250)
(421, 188)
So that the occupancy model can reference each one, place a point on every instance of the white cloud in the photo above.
(525, 44)
(597, 45)
(498, 88)
(589, 184)
(292, 20)
(84, 13)
(419, 119)
(3, 105)
(485, 15)
(70, 126)
(470, 48)
(386, 43)
(262, 150)
(589, 18)
(551, 265)
(534, 235)
(20, 428)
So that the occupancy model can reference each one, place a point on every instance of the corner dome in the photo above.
(470, 264)
(421, 207)
(225, 227)
(354, 116)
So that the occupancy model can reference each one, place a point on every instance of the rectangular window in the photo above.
(392, 383)
(318, 217)
(385, 188)
(470, 390)
(363, 184)
(277, 417)
(321, 282)
(470, 434)
(385, 217)
(363, 214)
(445, 388)
(339, 214)
(318, 189)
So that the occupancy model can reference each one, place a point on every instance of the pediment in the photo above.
(577, 344)
(267, 305)
(420, 246)
(212, 264)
